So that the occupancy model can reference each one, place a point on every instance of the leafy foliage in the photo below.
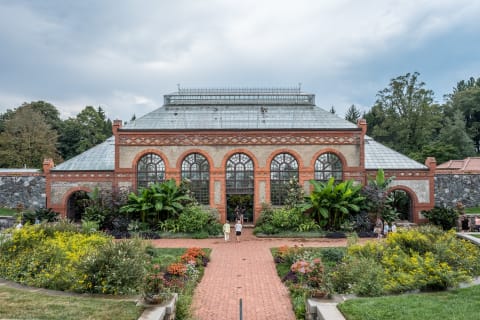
(446, 218)
(424, 258)
(26, 140)
(117, 267)
(40, 215)
(404, 116)
(332, 204)
(158, 202)
(353, 114)
(379, 201)
(103, 206)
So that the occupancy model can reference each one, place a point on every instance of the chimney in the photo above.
(48, 164)
(431, 163)
(362, 123)
(117, 124)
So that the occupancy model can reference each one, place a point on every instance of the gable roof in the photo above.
(378, 156)
(98, 158)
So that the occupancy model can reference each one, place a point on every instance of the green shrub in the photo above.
(423, 258)
(446, 218)
(286, 219)
(266, 214)
(90, 226)
(362, 276)
(266, 228)
(193, 219)
(332, 255)
(307, 224)
(115, 268)
(40, 215)
(200, 235)
(41, 256)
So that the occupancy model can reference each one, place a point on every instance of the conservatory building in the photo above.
(238, 147)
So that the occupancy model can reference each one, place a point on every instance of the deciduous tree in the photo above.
(26, 140)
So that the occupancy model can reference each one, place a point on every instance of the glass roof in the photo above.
(270, 108)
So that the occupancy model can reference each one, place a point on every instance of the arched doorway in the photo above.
(402, 202)
(76, 205)
(239, 187)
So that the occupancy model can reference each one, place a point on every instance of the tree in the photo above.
(353, 114)
(404, 116)
(452, 141)
(47, 110)
(454, 133)
(466, 98)
(89, 128)
(27, 140)
(93, 126)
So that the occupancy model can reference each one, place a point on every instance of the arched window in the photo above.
(239, 174)
(196, 170)
(328, 165)
(150, 169)
(283, 167)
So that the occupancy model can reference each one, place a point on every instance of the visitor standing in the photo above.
(378, 227)
(238, 230)
(226, 230)
(386, 229)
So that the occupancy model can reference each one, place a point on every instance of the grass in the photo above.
(22, 304)
(7, 212)
(472, 210)
(454, 304)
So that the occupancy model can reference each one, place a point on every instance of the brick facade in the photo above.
(218, 145)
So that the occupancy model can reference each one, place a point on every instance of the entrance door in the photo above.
(402, 202)
(76, 205)
(240, 187)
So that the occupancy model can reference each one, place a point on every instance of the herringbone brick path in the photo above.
(246, 271)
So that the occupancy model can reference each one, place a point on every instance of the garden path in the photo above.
(243, 270)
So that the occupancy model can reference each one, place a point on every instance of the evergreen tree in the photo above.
(353, 114)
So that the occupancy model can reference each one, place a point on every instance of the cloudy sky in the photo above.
(124, 55)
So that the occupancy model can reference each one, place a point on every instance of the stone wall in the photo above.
(452, 188)
(27, 189)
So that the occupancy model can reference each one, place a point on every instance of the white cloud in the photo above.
(125, 55)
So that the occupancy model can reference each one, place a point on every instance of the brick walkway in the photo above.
(246, 271)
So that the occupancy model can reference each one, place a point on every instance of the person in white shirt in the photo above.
(238, 230)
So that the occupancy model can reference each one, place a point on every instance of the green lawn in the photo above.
(7, 212)
(455, 304)
(472, 210)
(23, 304)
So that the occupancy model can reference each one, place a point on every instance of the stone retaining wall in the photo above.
(22, 188)
(453, 188)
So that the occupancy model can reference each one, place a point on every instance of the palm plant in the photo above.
(331, 203)
(378, 199)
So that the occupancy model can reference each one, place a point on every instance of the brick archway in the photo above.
(412, 205)
(72, 209)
